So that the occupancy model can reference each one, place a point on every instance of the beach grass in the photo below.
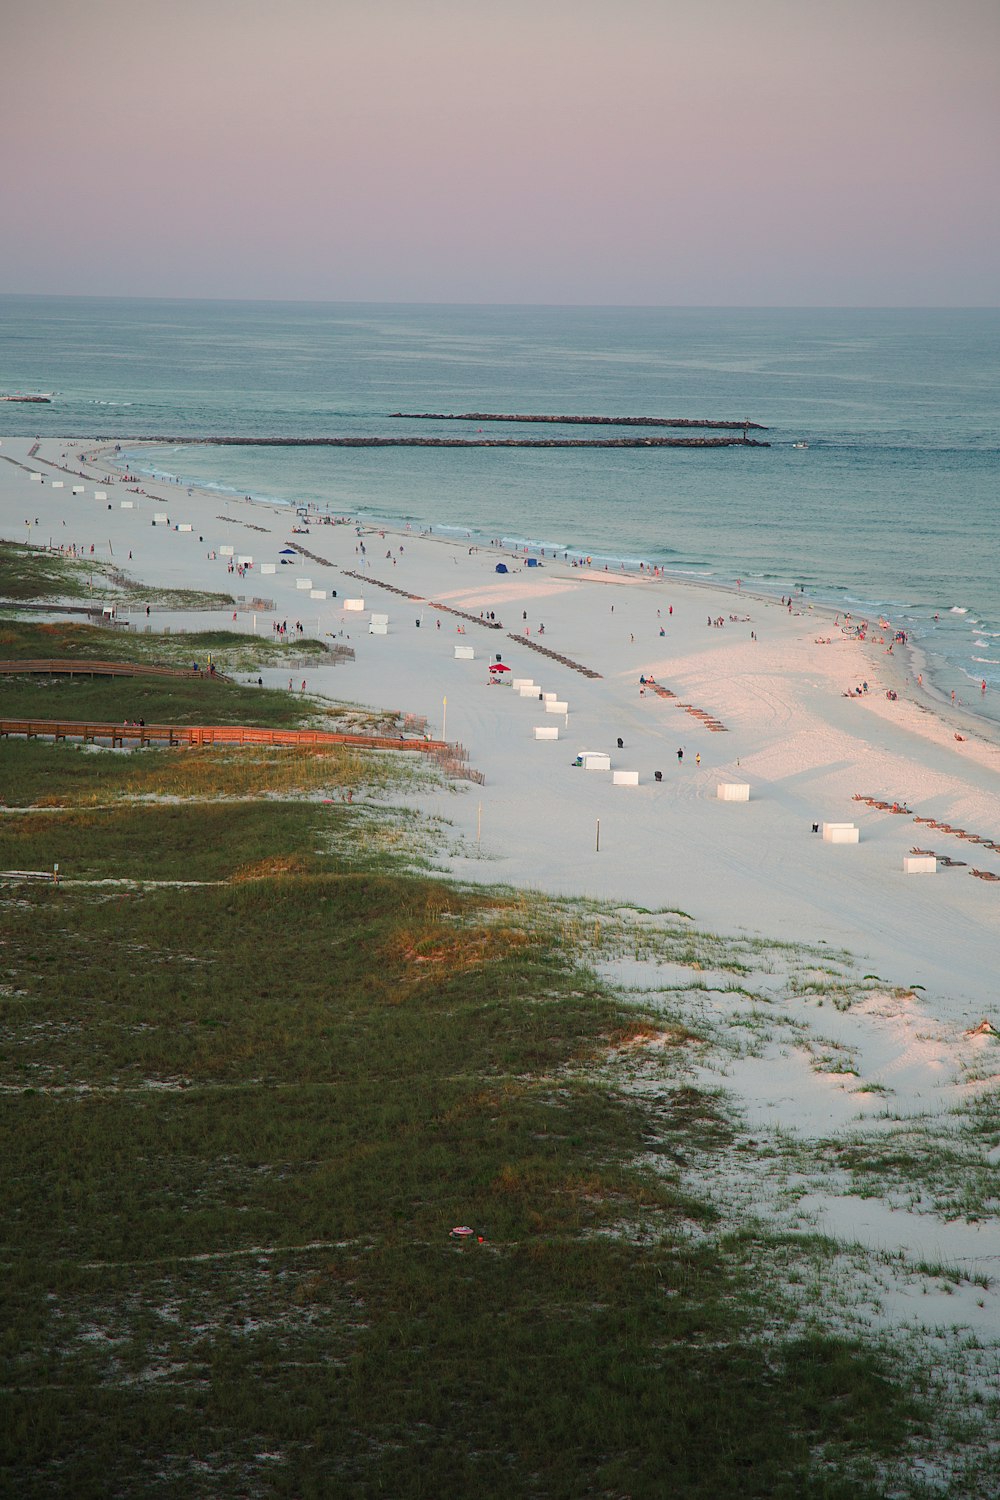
(249, 1086)
(29, 573)
(158, 700)
(76, 640)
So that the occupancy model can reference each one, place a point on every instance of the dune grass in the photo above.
(241, 1117)
(30, 573)
(158, 700)
(84, 641)
(27, 574)
(88, 777)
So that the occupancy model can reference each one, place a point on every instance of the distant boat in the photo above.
(800, 445)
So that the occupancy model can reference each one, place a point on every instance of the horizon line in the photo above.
(551, 306)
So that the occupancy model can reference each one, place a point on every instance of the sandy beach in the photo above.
(778, 683)
(779, 680)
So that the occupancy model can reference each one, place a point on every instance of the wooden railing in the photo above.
(79, 668)
(216, 734)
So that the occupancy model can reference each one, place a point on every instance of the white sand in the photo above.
(803, 747)
(794, 1066)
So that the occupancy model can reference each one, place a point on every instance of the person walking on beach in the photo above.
(680, 756)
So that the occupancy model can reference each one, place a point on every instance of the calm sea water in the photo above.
(894, 505)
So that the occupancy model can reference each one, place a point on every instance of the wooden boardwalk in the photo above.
(43, 666)
(193, 735)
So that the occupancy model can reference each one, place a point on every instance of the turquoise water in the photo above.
(893, 506)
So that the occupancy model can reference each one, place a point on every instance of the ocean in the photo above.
(892, 508)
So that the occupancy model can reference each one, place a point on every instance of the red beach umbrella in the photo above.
(498, 666)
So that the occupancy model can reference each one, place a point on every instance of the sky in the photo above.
(638, 152)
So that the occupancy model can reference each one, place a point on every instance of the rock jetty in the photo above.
(497, 416)
(441, 442)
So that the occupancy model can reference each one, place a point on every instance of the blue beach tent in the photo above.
(501, 567)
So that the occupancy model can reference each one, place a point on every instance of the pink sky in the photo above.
(783, 152)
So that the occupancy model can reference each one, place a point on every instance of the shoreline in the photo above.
(960, 715)
(937, 668)
(776, 682)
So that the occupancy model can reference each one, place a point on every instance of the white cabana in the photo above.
(840, 833)
(595, 760)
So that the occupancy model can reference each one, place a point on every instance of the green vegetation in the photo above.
(242, 1119)
(193, 700)
(90, 777)
(159, 700)
(253, 1072)
(77, 641)
(29, 573)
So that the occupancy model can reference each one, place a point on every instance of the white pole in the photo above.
(479, 823)
(444, 719)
